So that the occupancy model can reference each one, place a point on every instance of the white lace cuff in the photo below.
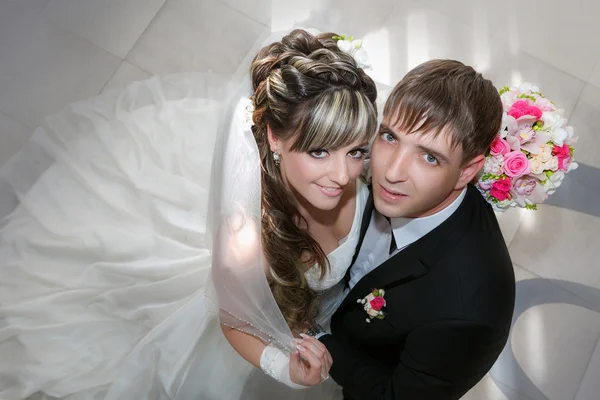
(276, 364)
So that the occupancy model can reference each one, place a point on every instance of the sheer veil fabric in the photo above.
(130, 225)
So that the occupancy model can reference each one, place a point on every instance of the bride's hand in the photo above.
(311, 364)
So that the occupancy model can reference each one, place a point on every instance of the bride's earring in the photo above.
(276, 158)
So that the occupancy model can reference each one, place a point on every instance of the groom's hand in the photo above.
(311, 364)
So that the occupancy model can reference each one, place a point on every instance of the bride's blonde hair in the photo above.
(306, 89)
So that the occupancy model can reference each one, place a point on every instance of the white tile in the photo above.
(595, 77)
(552, 339)
(508, 69)
(349, 17)
(124, 75)
(188, 35)
(564, 34)
(551, 352)
(484, 16)
(258, 10)
(590, 386)
(487, 389)
(560, 241)
(33, 5)
(13, 136)
(114, 25)
(584, 121)
(43, 68)
(414, 33)
(509, 222)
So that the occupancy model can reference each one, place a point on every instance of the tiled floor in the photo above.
(53, 52)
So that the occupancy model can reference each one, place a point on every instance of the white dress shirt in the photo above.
(376, 245)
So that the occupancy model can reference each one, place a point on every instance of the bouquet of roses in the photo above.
(533, 151)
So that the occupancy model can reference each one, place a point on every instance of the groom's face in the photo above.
(414, 174)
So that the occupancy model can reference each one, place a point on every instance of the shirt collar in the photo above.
(409, 230)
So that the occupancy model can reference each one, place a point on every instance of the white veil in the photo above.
(240, 288)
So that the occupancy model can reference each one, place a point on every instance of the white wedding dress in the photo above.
(104, 261)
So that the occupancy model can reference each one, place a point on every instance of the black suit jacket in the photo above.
(450, 299)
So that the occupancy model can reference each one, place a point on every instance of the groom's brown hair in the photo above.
(446, 95)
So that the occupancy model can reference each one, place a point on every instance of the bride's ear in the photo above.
(273, 140)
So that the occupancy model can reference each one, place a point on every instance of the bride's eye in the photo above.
(319, 153)
(358, 153)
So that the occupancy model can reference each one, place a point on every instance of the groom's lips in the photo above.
(390, 195)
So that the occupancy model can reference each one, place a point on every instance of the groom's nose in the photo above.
(397, 168)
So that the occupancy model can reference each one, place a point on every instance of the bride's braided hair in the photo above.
(307, 89)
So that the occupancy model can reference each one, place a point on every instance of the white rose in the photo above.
(362, 59)
(552, 164)
(345, 46)
(536, 166)
(357, 44)
(545, 153)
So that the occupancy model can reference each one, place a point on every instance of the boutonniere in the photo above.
(373, 304)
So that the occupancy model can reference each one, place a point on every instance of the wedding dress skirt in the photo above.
(104, 260)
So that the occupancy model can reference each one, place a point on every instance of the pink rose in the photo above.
(502, 185)
(499, 194)
(377, 303)
(522, 108)
(516, 164)
(499, 147)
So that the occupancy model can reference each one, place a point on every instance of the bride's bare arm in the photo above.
(241, 241)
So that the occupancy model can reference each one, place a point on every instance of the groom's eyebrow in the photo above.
(387, 129)
(435, 153)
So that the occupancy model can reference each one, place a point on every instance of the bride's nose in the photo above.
(339, 170)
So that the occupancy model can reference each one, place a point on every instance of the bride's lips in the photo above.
(390, 195)
(329, 191)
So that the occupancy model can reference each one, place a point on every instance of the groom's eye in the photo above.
(429, 159)
(388, 137)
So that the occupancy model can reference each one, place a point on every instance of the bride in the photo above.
(124, 275)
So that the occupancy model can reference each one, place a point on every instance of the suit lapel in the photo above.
(364, 225)
(416, 260)
(401, 268)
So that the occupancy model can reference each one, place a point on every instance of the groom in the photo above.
(432, 244)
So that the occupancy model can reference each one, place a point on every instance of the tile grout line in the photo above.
(125, 58)
(242, 13)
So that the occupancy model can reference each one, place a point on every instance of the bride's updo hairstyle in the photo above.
(307, 90)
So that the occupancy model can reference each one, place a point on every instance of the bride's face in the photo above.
(321, 176)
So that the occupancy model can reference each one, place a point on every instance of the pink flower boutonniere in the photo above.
(373, 304)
